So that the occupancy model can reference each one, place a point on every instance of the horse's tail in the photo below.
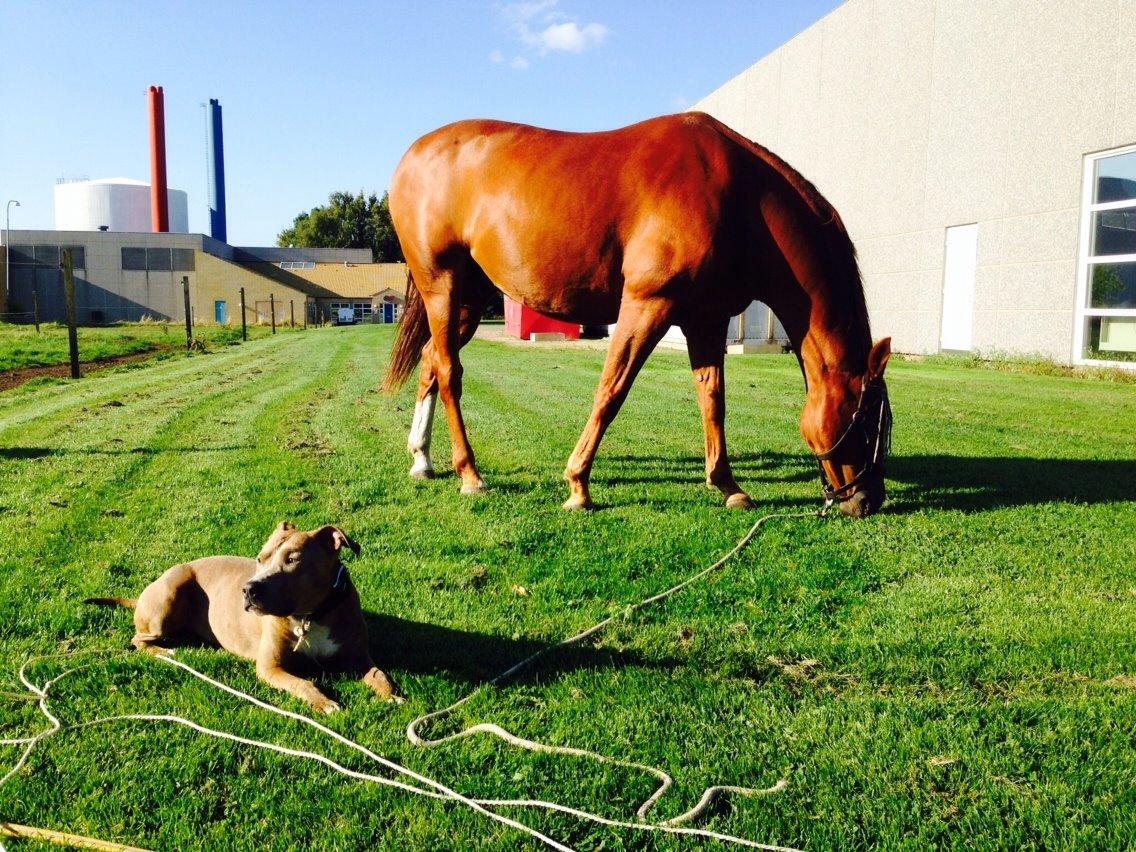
(413, 333)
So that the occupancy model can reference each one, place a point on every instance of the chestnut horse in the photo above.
(677, 220)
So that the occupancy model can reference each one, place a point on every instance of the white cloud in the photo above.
(543, 28)
(496, 56)
(569, 37)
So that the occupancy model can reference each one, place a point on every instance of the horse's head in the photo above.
(847, 424)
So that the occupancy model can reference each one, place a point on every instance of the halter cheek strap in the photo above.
(877, 441)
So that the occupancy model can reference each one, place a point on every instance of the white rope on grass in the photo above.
(709, 796)
(431, 788)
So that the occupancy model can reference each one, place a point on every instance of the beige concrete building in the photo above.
(983, 156)
(125, 276)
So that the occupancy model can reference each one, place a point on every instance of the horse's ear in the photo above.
(878, 358)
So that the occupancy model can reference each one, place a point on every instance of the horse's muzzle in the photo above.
(863, 503)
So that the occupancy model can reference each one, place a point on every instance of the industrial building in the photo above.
(130, 276)
(983, 156)
(132, 257)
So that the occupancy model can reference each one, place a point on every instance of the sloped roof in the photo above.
(343, 280)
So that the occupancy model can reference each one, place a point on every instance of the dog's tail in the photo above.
(129, 603)
(413, 332)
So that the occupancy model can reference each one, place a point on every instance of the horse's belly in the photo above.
(590, 305)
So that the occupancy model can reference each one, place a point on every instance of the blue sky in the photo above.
(325, 96)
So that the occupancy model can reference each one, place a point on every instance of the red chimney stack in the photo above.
(159, 194)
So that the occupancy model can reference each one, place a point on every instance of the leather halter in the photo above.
(876, 428)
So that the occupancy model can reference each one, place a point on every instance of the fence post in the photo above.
(244, 328)
(69, 295)
(188, 315)
(35, 307)
(272, 310)
(305, 314)
(292, 310)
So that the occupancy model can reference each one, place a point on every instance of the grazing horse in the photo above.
(677, 220)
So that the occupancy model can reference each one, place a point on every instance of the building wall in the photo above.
(219, 280)
(913, 117)
(104, 290)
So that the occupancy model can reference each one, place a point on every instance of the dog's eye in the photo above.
(292, 558)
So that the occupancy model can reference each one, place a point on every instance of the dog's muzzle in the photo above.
(250, 592)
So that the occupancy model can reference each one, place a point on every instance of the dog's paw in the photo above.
(326, 706)
(396, 699)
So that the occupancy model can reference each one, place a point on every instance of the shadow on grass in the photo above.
(767, 467)
(399, 645)
(41, 452)
(975, 484)
(965, 483)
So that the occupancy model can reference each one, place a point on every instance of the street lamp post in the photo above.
(8, 244)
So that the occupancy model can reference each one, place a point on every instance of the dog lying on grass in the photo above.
(293, 604)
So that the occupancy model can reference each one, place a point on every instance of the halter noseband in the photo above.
(877, 439)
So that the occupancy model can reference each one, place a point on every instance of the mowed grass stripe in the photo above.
(41, 401)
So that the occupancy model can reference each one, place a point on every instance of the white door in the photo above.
(958, 287)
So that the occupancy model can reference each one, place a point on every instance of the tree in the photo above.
(347, 221)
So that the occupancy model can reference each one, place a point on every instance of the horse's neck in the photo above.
(825, 336)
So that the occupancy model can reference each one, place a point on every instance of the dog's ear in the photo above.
(334, 538)
(285, 526)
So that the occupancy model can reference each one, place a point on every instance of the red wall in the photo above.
(521, 322)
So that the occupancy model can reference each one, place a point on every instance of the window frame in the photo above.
(1085, 261)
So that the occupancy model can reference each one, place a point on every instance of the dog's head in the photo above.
(295, 570)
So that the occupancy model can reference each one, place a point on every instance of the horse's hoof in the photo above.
(741, 500)
(422, 473)
(478, 487)
(578, 504)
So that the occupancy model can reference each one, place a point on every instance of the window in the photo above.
(134, 258)
(1106, 276)
(297, 264)
(158, 259)
(183, 260)
(47, 257)
(78, 257)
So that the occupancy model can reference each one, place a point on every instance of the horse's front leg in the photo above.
(706, 345)
(640, 326)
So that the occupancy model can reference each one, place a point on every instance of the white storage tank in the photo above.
(121, 204)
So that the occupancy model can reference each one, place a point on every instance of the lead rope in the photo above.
(434, 789)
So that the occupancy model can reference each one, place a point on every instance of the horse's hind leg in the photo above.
(422, 426)
(706, 345)
(442, 289)
(641, 324)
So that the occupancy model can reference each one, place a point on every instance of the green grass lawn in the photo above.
(21, 346)
(958, 671)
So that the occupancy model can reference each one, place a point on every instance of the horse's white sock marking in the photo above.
(421, 429)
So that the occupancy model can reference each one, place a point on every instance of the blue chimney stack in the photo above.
(216, 165)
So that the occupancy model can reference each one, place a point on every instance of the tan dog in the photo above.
(293, 604)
